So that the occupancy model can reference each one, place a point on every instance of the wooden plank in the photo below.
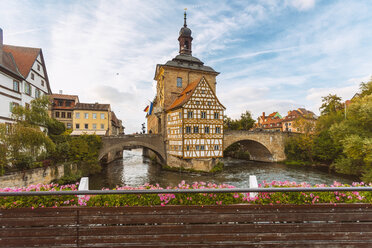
(214, 218)
(40, 221)
(253, 237)
(37, 212)
(224, 228)
(46, 231)
(39, 241)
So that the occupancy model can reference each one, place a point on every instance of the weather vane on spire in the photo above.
(184, 24)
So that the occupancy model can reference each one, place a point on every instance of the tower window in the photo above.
(179, 82)
(206, 129)
(196, 129)
(188, 129)
(189, 114)
(203, 115)
(187, 44)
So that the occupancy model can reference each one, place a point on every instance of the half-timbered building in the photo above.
(195, 123)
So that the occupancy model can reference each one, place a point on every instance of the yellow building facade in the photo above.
(92, 119)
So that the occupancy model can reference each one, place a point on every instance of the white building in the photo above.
(23, 77)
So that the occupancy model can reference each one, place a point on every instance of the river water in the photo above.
(136, 170)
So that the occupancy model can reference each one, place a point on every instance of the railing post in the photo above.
(83, 185)
(253, 184)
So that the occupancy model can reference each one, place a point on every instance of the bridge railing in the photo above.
(318, 225)
(180, 191)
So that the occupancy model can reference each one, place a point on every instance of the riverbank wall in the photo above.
(35, 176)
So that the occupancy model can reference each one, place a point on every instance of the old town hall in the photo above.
(186, 110)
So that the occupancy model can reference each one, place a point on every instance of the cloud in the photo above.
(302, 4)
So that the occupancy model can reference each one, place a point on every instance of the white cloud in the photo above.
(302, 4)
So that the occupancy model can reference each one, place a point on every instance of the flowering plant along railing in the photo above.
(198, 193)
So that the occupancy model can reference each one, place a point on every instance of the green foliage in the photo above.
(331, 104)
(245, 122)
(343, 137)
(55, 127)
(83, 150)
(36, 115)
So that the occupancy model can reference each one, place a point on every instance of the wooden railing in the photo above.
(319, 225)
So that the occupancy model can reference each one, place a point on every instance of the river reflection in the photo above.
(135, 170)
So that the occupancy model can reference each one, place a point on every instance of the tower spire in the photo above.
(185, 38)
(185, 24)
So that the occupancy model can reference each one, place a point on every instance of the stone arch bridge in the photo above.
(262, 146)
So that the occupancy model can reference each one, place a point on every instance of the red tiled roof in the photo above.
(185, 95)
(23, 56)
(7, 62)
(92, 106)
(63, 96)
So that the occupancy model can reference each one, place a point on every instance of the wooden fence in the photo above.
(322, 225)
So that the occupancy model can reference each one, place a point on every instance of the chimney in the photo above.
(1, 46)
(60, 92)
(263, 114)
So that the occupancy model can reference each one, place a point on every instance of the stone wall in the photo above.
(205, 164)
(34, 176)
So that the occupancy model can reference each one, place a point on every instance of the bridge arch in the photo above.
(257, 151)
(262, 146)
(112, 146)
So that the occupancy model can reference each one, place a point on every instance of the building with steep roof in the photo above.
(186, 110)
(62, 108)
(292, 123)
(23, 77)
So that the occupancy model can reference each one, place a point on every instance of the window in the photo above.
(197, 102)
(179, 82)
(60, 103)
(77, 125)
(86, 126)
(63, 114)
(68, 103)
(86, 115)
(218, 130)
(289, 124)
(38, 67)
(206, 129)
(197, 147)
(102, 126)
(196, 129)
(188, 129)
(180, 116)
(69, 115)
(69, 125)
(32, 76)
(168, 131)
(102, 116)
(168, 117)
(187, 148)
(180, 130)
(94, 116)
(94, 126)
(42, 82)
(189, 114)
(37, 93)
(203, 91)
(57, 114)
(202, 148)
(180, 148)
(209, 103)
(16, 86)
(28, 89)
(216, 115)
(216, 147)
(203, 115)
(77, 115)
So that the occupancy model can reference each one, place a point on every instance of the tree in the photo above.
(35, 115)
(331, 104)
(245, 122)
(366, 88)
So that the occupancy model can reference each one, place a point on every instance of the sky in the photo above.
(272, 55)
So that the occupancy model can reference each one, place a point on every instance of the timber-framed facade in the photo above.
(195, 123)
